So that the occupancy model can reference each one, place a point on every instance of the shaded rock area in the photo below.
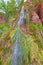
(35, 18)
(39, 11)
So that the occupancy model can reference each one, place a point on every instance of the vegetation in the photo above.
(27, 38)
(9, 8)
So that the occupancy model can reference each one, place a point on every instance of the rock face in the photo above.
(35, 18)
(39, 11)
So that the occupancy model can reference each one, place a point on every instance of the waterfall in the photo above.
(21, 20)
(18, 48)
(18, 51)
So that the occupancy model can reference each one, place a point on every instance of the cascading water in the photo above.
(18, 50)
(21, 20)
(18, 46)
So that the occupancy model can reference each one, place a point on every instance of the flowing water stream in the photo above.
(18, 48)
(21, 20)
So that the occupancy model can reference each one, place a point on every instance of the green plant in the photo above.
(9, 8)
(30, 49)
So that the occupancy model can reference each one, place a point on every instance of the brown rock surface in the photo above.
(39, 10)
(35, 18)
